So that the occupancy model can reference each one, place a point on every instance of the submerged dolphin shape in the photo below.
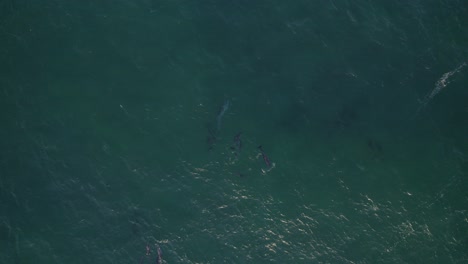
(265, 157)
(237, 143)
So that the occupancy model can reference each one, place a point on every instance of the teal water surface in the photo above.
(133, 126)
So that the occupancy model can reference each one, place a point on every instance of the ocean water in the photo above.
(114, 142)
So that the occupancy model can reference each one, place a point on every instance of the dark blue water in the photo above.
(115, 143)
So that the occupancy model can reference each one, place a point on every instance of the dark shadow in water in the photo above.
(375, 148)
(211, 136)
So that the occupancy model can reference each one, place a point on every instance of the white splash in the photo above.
(439, 85)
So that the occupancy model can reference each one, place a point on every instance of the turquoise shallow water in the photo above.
(113, 140)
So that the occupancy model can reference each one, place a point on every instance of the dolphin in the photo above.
(237, 143)
(159, 259)
(265, 157)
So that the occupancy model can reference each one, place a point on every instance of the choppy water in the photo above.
(113, 137)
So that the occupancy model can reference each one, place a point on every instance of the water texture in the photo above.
(326, 131)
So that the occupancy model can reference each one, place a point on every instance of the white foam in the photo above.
(439, 85)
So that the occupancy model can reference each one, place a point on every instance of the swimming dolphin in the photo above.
(265, 157)
(159, 259)
(237, 143)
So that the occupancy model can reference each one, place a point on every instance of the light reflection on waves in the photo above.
(395, 233)
(239, 223)
(252, 227)
(243, 225)
(231, 220)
